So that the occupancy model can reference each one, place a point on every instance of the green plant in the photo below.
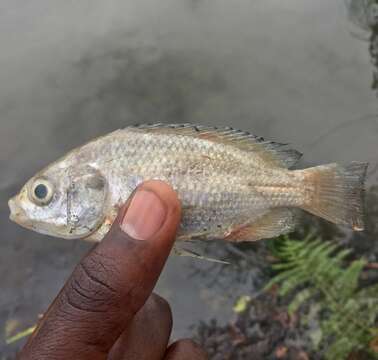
(361, 12)
(313, 273)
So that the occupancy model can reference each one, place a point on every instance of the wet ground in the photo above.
(293, 71)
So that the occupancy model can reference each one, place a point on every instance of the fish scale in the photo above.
(203, 193)
(231, 184)
(159, 159)
(167, 158)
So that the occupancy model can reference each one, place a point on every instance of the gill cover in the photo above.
(86, 201)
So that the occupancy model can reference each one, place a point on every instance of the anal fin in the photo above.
(275, 222)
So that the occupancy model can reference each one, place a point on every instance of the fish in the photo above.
(232, 185)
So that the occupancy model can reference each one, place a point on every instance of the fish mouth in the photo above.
(17, 214)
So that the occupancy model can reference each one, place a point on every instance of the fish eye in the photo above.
(41, 192)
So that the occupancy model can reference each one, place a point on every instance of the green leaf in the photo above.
(20, 335)
(300, 299)
(316, 337)
(241, 304)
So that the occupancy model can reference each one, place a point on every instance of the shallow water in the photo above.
(293, 71)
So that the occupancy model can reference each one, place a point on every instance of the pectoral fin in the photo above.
(275, 222)
(190, 253)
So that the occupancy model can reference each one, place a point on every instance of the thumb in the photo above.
(112, 282)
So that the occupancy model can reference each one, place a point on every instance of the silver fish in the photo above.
(232, 185)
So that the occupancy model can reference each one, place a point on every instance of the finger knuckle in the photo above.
(158, 304)
(187, 347)
(91, 287)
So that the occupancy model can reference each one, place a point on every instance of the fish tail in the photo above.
(337, 193)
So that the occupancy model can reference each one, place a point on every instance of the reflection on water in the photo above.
(139, 85)
(364, 13)
(289, 71)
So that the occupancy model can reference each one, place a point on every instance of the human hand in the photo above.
(106, 310)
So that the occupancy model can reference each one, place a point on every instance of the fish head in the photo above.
(62, 201)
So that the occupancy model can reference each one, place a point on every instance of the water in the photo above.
(292, 71)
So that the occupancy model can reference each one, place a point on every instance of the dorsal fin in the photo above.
(274, 153)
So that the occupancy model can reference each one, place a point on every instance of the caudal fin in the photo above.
(338, 193)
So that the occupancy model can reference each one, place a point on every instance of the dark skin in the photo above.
(107, 310)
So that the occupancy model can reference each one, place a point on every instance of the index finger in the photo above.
(112, 282)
